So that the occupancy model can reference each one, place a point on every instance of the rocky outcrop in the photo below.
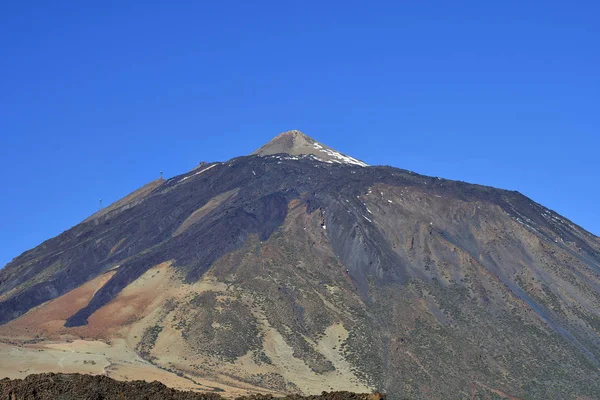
(78, 387)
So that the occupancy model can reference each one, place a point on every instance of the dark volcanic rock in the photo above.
(98, 387)
(86, 387)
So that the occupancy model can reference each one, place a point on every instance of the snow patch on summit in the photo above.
(340, 158)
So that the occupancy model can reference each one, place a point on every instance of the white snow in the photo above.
(527, 224)
(318, 159)
(340, 158)
(197, 173)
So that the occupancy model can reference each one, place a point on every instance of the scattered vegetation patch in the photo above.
(146, 344)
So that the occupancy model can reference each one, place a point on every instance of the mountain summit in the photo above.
(296, 143)
(298, 269)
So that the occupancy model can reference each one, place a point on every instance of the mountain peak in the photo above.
(297, 143)
(295, 135)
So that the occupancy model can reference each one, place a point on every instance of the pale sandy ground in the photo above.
(107, 344)
(115, 360)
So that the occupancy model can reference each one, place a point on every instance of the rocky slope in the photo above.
(290, 272)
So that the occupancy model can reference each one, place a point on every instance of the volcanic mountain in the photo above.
(299, 269)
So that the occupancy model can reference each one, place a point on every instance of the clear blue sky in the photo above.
(97, 97)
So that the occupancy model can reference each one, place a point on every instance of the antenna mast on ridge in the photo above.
(100, 205)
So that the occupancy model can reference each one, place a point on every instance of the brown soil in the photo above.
(50, 317)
